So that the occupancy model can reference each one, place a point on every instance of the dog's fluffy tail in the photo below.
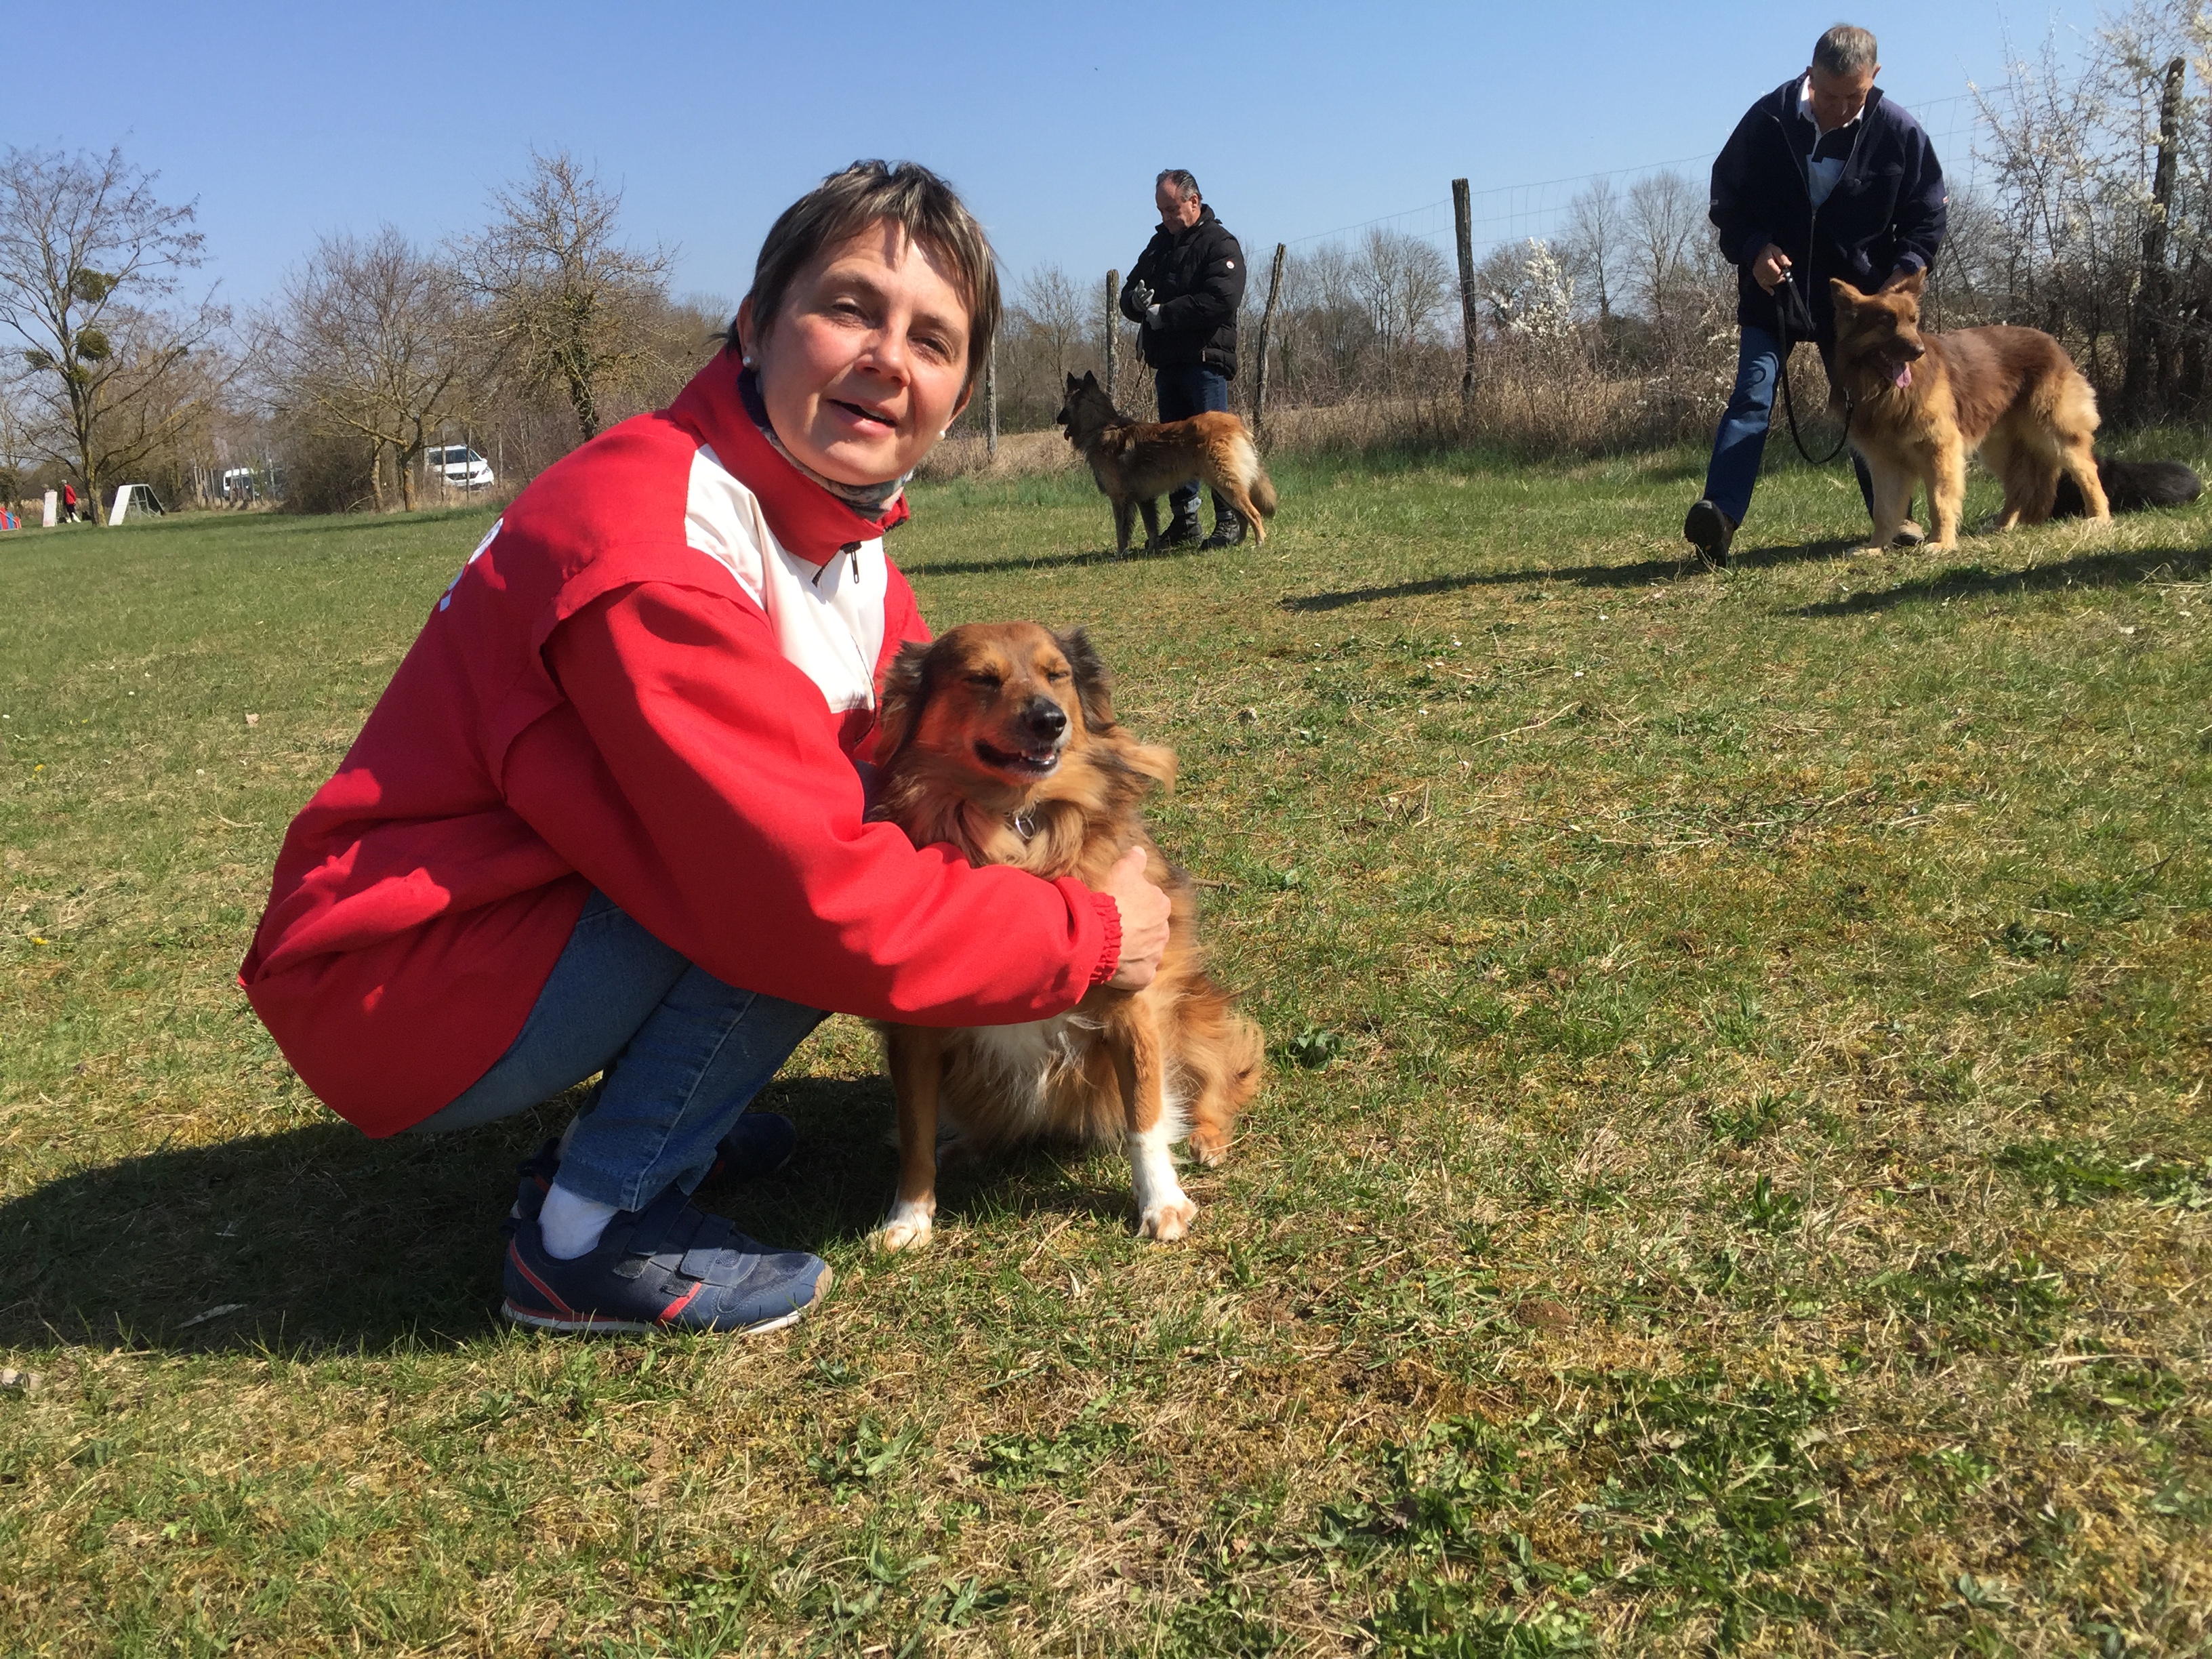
(2132, 486)
(1252, 477)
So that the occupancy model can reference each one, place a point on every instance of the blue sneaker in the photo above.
(667, 1267)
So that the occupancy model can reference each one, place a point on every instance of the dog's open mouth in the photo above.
(1902, 374)
(1021, 762)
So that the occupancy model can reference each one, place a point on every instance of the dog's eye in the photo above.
(1054, 676)
(985, 681)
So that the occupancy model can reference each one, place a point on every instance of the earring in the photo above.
(942, 431)
(747, 361)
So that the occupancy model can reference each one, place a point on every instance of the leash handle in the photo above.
(1782, 317)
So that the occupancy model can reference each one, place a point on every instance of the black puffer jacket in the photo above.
(1196, 274)
(1886, 214)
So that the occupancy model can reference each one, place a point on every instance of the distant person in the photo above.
(1184, 293)
(611, 814)
(69, 503)
(1824, 177)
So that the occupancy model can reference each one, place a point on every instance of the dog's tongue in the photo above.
(1903, 375)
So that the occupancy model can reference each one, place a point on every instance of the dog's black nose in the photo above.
(1045, 717)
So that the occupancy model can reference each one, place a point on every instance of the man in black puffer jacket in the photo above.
(1822, 178)
(1183, 291)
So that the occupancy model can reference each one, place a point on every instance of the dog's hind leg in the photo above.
(2005, 457)
(1163, 1210)
(2079, 463)
(1151, 509)
(917, 1067)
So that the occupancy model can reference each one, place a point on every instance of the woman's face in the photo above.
(865, 361)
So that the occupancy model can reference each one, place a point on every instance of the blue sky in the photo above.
(287, 122)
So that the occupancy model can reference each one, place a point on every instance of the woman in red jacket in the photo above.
(609, 816)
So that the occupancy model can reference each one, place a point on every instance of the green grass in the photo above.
(1736, 1174)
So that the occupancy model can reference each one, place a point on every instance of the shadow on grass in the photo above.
(319, 1241)
(1041, 562)
(1642, 573)
(1978, 581)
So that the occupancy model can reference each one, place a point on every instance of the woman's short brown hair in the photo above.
(866, 194)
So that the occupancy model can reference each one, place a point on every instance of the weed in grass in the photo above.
(2063, 1173)
(861, 1458)
(1956, 1302)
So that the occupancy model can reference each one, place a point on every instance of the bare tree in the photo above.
(1597, 232)
(1665, 225)
(88, 251)
(569, 308)
(1404, 283)
(373, 341)
(1051, 311)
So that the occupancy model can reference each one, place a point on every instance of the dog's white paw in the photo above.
(907, 1228)
(1168, 1220)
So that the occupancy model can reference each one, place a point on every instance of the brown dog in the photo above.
(1923, 402)
(999, 738)
(1136, 462)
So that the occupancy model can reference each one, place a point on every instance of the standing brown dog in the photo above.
(1923, 402)
(1000, 739)
(1136, 462)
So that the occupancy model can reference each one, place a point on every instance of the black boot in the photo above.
(1710, 532)
(1228, 527)
(1183, 530)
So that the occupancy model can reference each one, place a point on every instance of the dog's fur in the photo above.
(1136, 462)
(1923, 402)
(1000, 739)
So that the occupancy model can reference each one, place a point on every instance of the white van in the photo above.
(458, 466)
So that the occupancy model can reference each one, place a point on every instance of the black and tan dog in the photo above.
(1000, 739)
(1136, 462)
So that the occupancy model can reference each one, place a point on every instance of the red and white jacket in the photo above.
(653, 677)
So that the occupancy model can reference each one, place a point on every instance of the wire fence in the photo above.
(1505, 214)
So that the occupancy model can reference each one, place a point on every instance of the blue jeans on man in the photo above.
(1741, 440)
(1185, 390)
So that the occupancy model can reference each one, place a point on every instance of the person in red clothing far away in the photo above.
(69, 503)
(611, 814)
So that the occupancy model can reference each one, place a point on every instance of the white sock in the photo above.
(571, 1225)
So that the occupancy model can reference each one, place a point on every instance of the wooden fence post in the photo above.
(991, 402)
(1113, 311)
(1267, 327)
(1464, 222)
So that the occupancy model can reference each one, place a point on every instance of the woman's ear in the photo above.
(906, 689)
(1094, 686)
(747, 338)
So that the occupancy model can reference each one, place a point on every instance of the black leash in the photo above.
(1795, 319)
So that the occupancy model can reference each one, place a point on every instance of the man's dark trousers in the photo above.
(1185, 390)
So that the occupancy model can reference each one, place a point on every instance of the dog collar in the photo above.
(1024, 822)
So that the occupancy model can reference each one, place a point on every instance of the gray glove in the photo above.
(1151, 316)
(1142, 295)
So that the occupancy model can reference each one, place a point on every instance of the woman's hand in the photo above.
(1144, 911)
(1766, 270)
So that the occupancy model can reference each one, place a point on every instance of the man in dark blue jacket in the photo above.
(1184, 290)
(1823, 177)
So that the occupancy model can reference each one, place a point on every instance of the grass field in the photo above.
(1737, 1173)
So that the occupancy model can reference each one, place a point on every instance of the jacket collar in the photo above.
(807, 520)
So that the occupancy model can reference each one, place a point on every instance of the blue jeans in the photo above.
(1185, 390)
(1741, 440)
(683, 1055)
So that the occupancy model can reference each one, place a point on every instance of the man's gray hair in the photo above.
(1845, 49)
(1186, 187)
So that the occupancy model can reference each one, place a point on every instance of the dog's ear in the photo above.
(1089, 377)
(1094, 686)
(907, 685)
(1910, 281)
(1846, 297)
(1073, 385)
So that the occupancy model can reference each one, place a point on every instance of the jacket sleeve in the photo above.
(693, 775)
(1143, 271)
(1214, 299)
(1740, 221)
(1923, 204)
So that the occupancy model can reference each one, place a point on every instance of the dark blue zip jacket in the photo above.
(1885, 215)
